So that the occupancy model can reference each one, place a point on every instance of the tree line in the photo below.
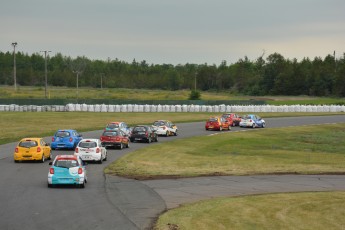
(273, 75)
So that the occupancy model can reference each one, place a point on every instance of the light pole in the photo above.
(45, 71)
(101, 80)
(196, 72)
(77, 72)
(14, 44)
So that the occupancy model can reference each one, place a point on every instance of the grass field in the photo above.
(145, 94)
(320, 210)
(304, 150)
(17, 125)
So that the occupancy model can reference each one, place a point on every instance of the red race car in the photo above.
(233, 118)
(115, 138)
(217, 123)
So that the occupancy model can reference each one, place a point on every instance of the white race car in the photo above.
(165, 128)
(91, 150)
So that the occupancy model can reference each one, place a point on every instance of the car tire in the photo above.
(127, 146)
(175, 133)
(229, 128)
(100, 161)
(253, 126)
(132, 140)
(263, 125)
(82, 185)
(121, 146)
(50, 185)
(50, 156)
(220, 128)
(43, 158)
(105, 158)
(167, 134)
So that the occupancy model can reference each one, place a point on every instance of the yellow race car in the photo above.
(32, 149)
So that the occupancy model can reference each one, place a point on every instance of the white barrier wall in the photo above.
(174, 108)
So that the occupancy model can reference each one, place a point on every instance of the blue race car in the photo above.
(252, 120)
(67, 170)
(65, 139)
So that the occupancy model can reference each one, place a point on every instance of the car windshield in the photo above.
(111, 133)
(247, 117)
(159, 123)
(87, 144)
(225, 115)
(28, 144)
(62, 134)
(66, 163)
(139, 129)
(213, 119)
(112, 126)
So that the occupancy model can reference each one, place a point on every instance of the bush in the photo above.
(194, 95)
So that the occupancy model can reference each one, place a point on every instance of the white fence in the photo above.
(173, 108)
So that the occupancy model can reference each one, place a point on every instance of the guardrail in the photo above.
(171, 108)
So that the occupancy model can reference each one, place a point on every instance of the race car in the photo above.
(91, 150)
(253, 121)
(165, 128)
(67, 170)
(65, 139)
(217, 123)
(32, 149)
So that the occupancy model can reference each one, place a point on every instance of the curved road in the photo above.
(110, 202)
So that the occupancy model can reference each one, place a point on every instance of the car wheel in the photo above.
(220, 128)
(100, 161)
(132, 140)
(50, 156)
(82, 185)
(229, 128)
(127, 146)
(253, 126)
(263, 125)
(121, 146)
(50, 185)
(15, 161)
(167, 134)
(105, 158)
(43, 158)
(175, 133)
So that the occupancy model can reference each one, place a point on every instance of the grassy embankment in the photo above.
(144, 94)
(308, 211)
(17, 125)
(310, 149)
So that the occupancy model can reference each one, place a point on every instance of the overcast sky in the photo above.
(174, 31)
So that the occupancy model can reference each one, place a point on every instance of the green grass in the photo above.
(321, 210)
(17, 125)
(145, 94)
(304, 150)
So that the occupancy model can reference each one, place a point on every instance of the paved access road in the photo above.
(110, 202)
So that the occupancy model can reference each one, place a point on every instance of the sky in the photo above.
(176, 31)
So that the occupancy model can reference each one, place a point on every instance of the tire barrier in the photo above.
(174, 108)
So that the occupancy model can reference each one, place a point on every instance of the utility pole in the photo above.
(45, 71)
(14, 44)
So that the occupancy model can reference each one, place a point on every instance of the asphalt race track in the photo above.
(110, 202)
